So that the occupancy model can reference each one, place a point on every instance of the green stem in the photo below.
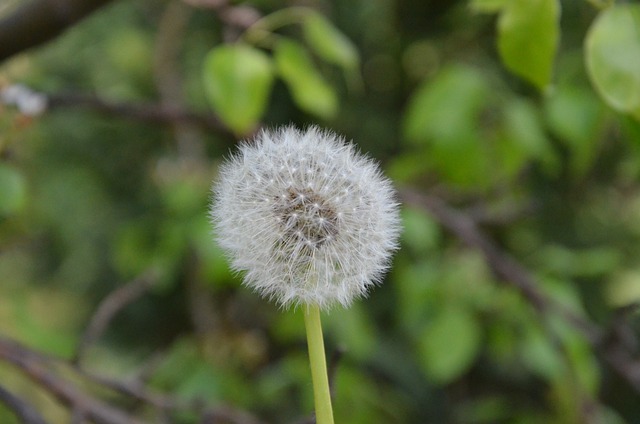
(321, 394)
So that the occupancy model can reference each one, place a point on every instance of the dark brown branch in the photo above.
(22, 410)
(136, 390)
(147, 112)
(39, 370)
(512, 213)
(616, 351)
(502, 264)
(39, 21)
(45, 371)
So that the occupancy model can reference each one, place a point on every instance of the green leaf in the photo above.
(421, 233)
(539, 354)
(484, 409)
(523, 123)
(130, 51)
(576, 117)
(201, 383)
(214, 264)
(450, 344)
(418, 291)
(13, 191)
(463, 160)
(309, 90)
(43, 318)
(525, 138)
(612, 51)
(528, 37)
(623, 289)
(405, 167)
(138, 248)
(329, 43)
(352, 327)
(446, 107)
(237, 82)
(583, 361)
(583, 365)
(363, 399)
(443, 116)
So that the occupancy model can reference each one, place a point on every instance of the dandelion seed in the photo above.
(297, 246)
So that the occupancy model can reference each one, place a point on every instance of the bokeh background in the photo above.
(512, 300)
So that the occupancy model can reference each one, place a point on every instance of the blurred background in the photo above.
(514, 297)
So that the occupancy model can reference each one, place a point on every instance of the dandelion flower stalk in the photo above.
(310, 222)
(319, 377)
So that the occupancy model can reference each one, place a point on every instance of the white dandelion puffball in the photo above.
(307, 218)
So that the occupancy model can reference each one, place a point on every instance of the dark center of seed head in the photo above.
(306, 217)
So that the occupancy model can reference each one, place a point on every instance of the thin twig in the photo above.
(145, 112)
(108, 308)
(502, 264)
(38, 369)
(22, 410)
(612, 348)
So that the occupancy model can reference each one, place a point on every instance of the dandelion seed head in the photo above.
(305, 217)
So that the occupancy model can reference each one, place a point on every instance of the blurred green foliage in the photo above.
(497, 106)
(613, 52)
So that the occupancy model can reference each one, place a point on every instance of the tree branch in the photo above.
(616, 351)
(108, 308)
(44, 371)
(38, 369)
(39, 21)
(146, 112)
(23, 411)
